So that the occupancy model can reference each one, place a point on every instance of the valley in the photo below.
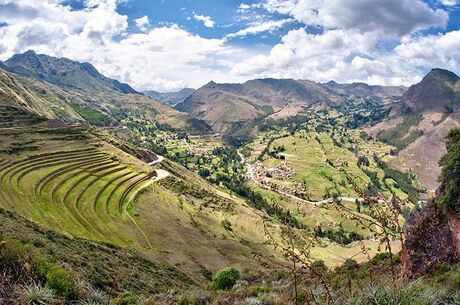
(232, 175)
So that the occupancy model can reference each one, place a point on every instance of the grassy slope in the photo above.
(177, 220)
(99, 263)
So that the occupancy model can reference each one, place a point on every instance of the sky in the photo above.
(166, 45)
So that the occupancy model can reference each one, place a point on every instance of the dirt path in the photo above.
(160, 159)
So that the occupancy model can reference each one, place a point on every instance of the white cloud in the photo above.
(349, 56)
(162, 58)
(392, 17)
(260, 27)
(167, 57)
(207, 21)
(142, 23)
(449, 2)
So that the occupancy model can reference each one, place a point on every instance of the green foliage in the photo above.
(92, 116)
(339, 236)
(363, 160)
(397, 136)
(127, 299)
(319, 266)
(450, 175)
(227, 225)
(404, 181)
(225, 279)
(61, 281)
(265, 150)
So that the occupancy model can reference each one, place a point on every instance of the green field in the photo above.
(323, 162)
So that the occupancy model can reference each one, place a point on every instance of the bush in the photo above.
(61, 282)
(225, 279)
(380, 257)
(127, 299)
(319, 266)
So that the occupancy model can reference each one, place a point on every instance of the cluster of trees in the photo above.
(397, 136)
(238, 185)
(339, 236)
(404, 181)
(92, 116)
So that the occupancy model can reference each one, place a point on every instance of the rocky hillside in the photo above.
(439, 91)
(418, 124)
(433, 234)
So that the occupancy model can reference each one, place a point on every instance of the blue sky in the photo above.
(170, 44)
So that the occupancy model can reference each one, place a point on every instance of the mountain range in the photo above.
(63, 89)
(225, 105)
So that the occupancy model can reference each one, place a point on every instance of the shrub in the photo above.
(225, 279)
(319, 266)
(127, 299)
(380, 257)
(227, 225)
(187, 300)
(61, 282)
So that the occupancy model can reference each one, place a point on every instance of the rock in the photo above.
(429, 242)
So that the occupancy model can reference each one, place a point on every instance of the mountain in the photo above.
(224, 105)
(64, 73)
(170, 98)
(418, 124)
(60, 88)
(37, 97)
(87, 182)
(438, 91)
(365, 90)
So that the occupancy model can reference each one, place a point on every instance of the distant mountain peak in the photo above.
(439, 91)
(210, 84)
(170, 98)
(29, 53)
(443, 74)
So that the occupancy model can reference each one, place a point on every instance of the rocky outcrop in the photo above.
(429, 242)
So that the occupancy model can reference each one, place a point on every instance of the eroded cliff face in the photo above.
(433, 234)
(429, 242)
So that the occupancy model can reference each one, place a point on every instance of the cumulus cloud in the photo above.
(392, 17)
(167, 57)
(207, 21)
(162, 58)
(348, 56)
(142, 23)
(449, 2)
(260, 27)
